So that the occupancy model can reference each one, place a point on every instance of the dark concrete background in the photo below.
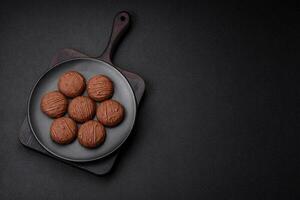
(219, 119)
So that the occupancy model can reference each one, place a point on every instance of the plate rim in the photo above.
(81, 160)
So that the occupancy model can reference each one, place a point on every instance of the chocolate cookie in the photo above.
(71, 84)
(100, 88)
(110, 113)
(91, 134)
(82, 109)
(63, 130)
(54, 104)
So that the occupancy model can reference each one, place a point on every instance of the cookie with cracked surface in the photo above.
(82, 109)
(71, 84)
(54, 104)
(63, 130)
(100, 88)
(91, 134)
(110, 113)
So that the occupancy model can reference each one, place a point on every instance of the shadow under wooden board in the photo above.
(98, 167)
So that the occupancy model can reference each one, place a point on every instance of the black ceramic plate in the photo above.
(40, 123)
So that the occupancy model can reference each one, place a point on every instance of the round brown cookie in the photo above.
(100, 88)
(63, 130)
(91, 134)
(54, 104)
(82, 109)
(71, 84)
(110, 113)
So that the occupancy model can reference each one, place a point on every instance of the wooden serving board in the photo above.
(98, 167)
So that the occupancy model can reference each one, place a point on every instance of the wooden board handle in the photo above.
(120, 26)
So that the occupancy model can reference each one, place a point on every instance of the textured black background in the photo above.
(218, 120)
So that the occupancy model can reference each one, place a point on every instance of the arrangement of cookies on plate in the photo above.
(82, 109)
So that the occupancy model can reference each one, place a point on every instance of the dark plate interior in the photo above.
(40, 123)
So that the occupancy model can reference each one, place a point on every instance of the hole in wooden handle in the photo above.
(122, 18)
